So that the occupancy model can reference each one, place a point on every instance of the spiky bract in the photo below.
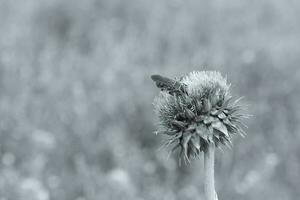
(205, 115)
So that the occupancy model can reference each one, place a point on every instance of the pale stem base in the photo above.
(209, 179)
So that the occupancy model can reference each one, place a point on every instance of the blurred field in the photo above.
(76, 115)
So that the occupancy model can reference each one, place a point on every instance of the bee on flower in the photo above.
(197, 111)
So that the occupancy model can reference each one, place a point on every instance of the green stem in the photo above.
(209, 182)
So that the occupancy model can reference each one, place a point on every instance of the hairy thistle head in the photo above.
(200, 113)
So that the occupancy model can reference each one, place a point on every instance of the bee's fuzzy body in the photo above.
(169, 85)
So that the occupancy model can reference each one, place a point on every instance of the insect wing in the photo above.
(162, 82)
(170, 85)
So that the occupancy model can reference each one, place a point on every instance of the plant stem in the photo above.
(209, 179)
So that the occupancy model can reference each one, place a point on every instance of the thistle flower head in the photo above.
(202, 114)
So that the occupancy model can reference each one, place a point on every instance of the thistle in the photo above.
(197, 113)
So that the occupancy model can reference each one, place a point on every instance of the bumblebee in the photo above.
(172, 86)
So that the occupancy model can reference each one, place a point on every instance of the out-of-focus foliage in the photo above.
(76, 116)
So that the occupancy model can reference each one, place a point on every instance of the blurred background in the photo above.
(76, 114)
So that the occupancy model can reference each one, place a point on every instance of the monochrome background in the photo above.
(76, 113)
